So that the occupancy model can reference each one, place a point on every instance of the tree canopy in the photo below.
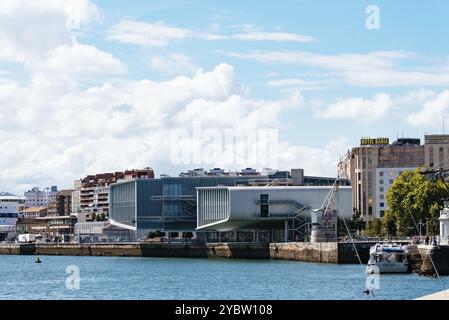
(412, 194)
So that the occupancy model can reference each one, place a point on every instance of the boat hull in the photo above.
(387, 268)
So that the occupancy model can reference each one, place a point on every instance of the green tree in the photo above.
(413, 198)
(374, 228)
(174, 234)
(389, 223)
(187, 235)
(156, 234)
(356, 223)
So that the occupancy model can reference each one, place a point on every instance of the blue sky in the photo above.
(338, 27)
(92, 86)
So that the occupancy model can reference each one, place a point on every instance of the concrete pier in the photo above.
(434, 257)
(324, 252)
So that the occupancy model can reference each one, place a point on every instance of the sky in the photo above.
(91, 86)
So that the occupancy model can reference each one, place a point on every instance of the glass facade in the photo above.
(122, 198)
(170, 203)
(179, 198)
(131, 203)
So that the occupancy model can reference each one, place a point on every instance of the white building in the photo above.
(76, 197)
(230, 208)
(40, 198)
(384, 179)
(9, 213)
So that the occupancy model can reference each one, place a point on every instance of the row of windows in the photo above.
(12, 200)
(381, 181)
(8, 215)
(381, 173)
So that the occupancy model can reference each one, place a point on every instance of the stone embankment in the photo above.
(326, 252)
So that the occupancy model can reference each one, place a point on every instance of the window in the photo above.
(381, 173)
(264, 206)
(381, 196)
(430, 156)
(391, 181)
(381, 189)
(370, 211)
(381, 204)
(381, 181)
(382, 213)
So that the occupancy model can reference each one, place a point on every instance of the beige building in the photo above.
(373, 166)
(436, 151)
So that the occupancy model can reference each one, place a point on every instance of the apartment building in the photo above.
(372, 168)
(40, 198)
(62, 204)
(91, 194)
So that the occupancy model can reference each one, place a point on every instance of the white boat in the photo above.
(388, 258)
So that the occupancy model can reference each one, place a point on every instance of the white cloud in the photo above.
(343, 62)
(432, 112)
(272, 36)
(174, 64)
(156, 34)
(159, 34)
(364, 110)
(42, 36)
(373, 69)
(28, 29)
(315, 161)
(300, 83)
(80, 59)
(61, 135)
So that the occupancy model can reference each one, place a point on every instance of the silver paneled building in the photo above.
(283, 208)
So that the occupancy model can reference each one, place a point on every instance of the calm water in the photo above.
(153, 278)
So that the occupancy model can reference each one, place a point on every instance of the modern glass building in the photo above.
(170, 203)
(132, 205)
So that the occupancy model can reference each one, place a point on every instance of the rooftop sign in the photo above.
(374, 141)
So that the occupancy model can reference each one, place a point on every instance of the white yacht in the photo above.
(9, 213)
(388, 258)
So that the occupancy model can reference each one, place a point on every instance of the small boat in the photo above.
(38, 260)
(388, 258)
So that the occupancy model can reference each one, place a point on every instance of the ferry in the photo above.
(9, 213)
(388, 258)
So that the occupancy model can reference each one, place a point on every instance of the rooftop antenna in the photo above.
(443, 123)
